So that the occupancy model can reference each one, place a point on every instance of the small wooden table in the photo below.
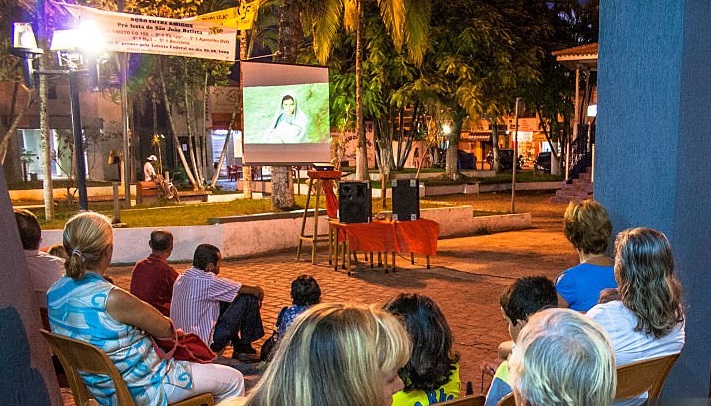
(382, 236)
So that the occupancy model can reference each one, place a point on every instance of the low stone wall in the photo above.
(502, 187)
(61, 193)
(240, 236)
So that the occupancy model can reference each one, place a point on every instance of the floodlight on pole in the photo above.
(65, 43)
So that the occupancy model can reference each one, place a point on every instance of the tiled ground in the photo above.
(466, 278)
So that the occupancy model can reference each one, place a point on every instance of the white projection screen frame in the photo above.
(303, 136)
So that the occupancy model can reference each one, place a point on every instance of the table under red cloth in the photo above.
(418, 236)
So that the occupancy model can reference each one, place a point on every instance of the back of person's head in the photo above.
(205, 254)
(563, 358)
(86, 237)
(161, 240)
(335, 354)
(431, 362)
(587, 226)
(527, 296)
(646, 275)
(29, 228)
(305, 291)
(58, 251)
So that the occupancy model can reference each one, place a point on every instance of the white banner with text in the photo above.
(158, 35)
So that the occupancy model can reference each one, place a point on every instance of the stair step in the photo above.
(572, 193)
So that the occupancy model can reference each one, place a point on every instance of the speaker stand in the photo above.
(317, 179)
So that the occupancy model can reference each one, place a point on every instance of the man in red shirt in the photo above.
(152, 279)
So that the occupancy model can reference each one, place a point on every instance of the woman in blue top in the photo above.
(84, 306)
(588, 227)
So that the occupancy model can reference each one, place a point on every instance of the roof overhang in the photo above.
(583, 56)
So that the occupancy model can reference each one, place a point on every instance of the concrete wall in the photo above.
(61, 193)
(654, 151)
(260, 236)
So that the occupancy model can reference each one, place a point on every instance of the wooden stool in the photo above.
(317, 178)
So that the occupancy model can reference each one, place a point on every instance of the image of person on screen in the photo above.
(289, 124)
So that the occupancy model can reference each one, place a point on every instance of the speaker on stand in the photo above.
(355, 203)
(406, 199)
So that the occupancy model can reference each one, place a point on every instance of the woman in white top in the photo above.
(647, 320)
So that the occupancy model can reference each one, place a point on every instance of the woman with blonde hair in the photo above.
(336, 355)
(589, 229)
(647, 320)
(84, 306)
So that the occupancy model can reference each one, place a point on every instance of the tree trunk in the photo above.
(246, 169)
(282, 182)
(451, 167)
(46, 144)
(190, 124)
(188, 171)
(495, 144)
(362, 147)
(16, 118)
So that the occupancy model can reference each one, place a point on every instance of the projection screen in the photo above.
(286, 120)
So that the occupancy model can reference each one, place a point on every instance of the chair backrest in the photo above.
(75, 356)
(644, 376)
(508, 400)
(470, 400)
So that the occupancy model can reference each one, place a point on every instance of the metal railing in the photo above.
(581, 151)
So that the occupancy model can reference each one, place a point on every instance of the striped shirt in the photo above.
(195, 306)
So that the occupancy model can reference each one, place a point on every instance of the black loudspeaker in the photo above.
(406, 199)
(355, 203)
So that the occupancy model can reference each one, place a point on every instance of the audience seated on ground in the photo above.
(648, 319)
(521, 300)
(336, 354)
(305, 293)
(44, 269)
(152, 278)
(562, 358)
(589, 229)
(218, 310)
(84, 306)
(432, 372)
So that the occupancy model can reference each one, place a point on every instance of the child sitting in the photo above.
(305, 293)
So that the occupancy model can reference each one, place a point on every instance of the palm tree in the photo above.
(407, 22)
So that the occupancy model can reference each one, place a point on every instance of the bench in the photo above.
(146, 192)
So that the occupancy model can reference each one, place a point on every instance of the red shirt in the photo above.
(152, 281)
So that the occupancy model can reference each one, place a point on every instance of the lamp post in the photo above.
(78, 138)
(64, 42)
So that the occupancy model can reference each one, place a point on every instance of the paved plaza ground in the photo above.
(466, 278)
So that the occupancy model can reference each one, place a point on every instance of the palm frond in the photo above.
(393, 15)
(323, 17)
(417, 24)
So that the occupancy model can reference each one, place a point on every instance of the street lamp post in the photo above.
(29, 54)
(78, 138)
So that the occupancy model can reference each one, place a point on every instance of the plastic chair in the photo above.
(507, 400)
(644, 376)
(469, 400)
(76, 355)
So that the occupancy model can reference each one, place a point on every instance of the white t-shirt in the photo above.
(630, 345)
(148, 172)
(44, 270)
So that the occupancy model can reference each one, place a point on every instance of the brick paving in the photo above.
(466, 278)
